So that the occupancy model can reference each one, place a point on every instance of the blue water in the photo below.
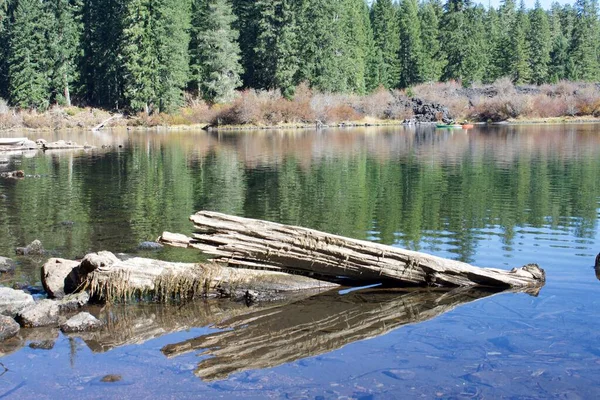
(495, 197)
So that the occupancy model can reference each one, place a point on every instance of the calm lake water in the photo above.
(495, 197)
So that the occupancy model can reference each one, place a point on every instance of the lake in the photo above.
(500, 196)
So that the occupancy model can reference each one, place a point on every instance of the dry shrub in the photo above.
(377, 104)
(33, 120)
(587, 100)
(10, 120)
(501, 107)
(341, 113)
(331, 108)
(244, 110)
(548, 107)
(301, 103)
(504, 86)
(4, 108)
(449, 94)
(565, 88)
(199, 112)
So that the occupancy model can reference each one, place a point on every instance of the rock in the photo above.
(6, 265)
(54, 274)
(13, 301)
(13, 174)
(81, 322)
(598, 261)
(43, 313)
(8, 327)
(150, 246)
(73, 302)
(35, 248)
(100, 260)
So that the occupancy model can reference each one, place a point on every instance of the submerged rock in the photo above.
(13, 301)
(81, 322)
(43, 313)
(13, 174)
(35, 248)
(6, 265)
(150, 246)
(8, 327)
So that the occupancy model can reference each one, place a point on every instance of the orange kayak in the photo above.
(468, 126)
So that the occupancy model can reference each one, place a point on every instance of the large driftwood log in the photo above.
(313, 326)
(248, 243)
(108, 278)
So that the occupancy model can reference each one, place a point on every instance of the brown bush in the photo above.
(500, 108)
(377, 104)
(33, 120)
(587, 100)
(547, 107)
(10, 120)
(340, 113)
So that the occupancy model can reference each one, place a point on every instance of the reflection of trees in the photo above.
(316, 325)
(422, 189)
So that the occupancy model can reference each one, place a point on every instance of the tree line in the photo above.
(145, 55)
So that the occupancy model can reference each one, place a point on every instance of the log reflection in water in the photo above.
(267, 338)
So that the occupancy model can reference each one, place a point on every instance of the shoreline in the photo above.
(305, 126)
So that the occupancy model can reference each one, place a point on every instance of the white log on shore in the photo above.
(249, 243)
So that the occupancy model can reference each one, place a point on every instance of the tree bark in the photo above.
(248, 243)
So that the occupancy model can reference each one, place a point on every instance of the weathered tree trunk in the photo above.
(109, 279)
(103, 123)
(249, 243)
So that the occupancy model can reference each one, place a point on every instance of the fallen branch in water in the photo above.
(248, 243)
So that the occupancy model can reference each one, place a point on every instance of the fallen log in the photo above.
(248, 243)
(313, 326)
(103, 123)
(108, 278)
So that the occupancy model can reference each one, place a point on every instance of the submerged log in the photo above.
(108, 278)
(248, 243)
(313, 326)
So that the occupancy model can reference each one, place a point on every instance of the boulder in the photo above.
(6, 265)
(101, 260)
(43, 313)
(55, 273)
(81, 322)
(13, 301)
(8, 327)
(73, 302)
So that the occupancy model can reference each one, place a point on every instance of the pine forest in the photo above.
(149, 55)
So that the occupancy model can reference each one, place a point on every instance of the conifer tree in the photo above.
(246, 25)
(584, 44)
(433, 59)
(4, 41)
(559, 46)
(386, 37)
(462, 40)
(28, 58)
(371, 60)
(215, 54)
(503, 53)
(276, 49)
(411, 48)
(64, 47)
(359, 44)
(519, 67)
(492, 39)
(101, 69)
(540, 44)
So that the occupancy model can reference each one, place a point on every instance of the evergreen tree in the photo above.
(559, 46)
(462, 40)
(492, 44)
(246, 25)
(372, 79)
(386, 37)
(28, 57)
(519, 67)
(503, 53)
(359, 44)
(101, 69)
(276, 50)
(433, 59)
(4, 41)
(65, 45)
(540, 43)
(584, 45)
(411, 48)
(215, 54)
(154, 50)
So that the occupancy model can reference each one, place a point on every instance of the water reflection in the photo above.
(316, 325)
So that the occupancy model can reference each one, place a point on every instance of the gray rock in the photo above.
(81, 322)
(598, 261)
(6, 264)
(100, 260)
(150, 246)
(35, 248)
(43, 313)
(8, 327)
(73, 302)
(13, 301)
(55, 272)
